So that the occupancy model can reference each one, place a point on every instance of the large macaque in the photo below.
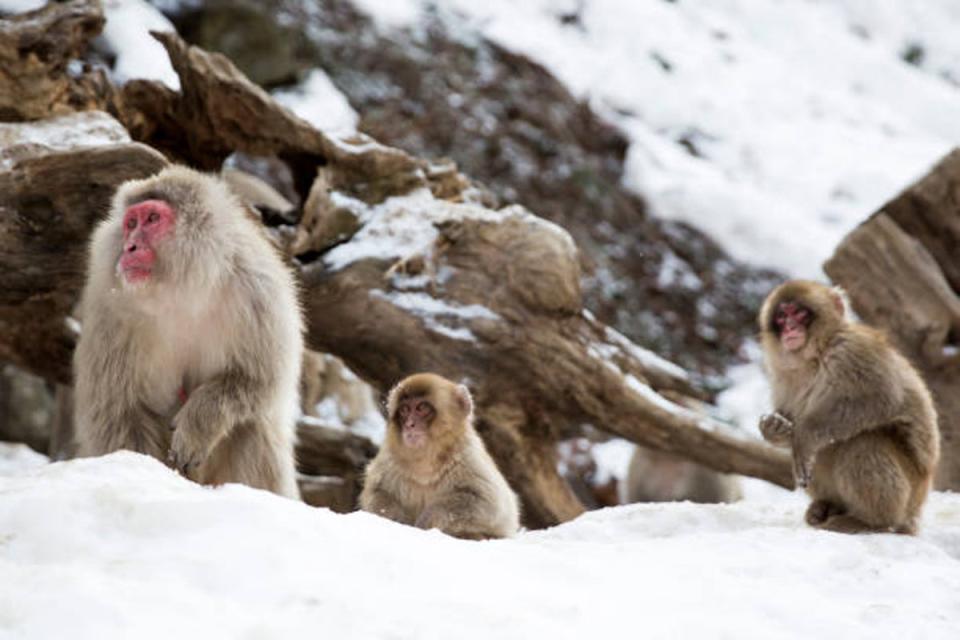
(859, 418)
(433, 470)
(192, 336)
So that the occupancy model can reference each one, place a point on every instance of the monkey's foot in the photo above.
(845, 523)
(820, 510)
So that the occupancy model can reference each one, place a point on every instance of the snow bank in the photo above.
(320, 103)
(121, 547)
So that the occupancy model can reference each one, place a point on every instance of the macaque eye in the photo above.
(131, 223)
(153, 217)
(422, 407)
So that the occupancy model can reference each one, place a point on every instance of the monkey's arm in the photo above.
(856, 391)
(211, 411)
(463, 512)
(382, 502)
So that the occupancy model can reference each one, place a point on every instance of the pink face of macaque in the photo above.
(414, 416)
(792, 320)
(144, 225)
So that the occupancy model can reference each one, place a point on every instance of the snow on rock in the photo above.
(68, 132)
(403, 226)
(320, 103)
(13, 7)
(433, 311)
(774, 127)
(122, 547)
(127, 36)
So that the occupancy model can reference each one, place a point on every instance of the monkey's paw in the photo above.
(186, 452)
(776, 428)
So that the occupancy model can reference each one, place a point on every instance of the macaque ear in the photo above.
(839, 298)
(463, 398)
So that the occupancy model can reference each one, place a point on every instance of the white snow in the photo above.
(121, 547)
(803, 125)
(127, 36)
(405, 226)
(15, 459)
(320, 103)
(72, 131)
(20, 6)
(435, 312)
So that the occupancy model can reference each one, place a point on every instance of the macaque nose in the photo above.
(131, 246)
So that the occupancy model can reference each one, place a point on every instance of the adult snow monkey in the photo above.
(858, 417)
(433, 470)
(191, 341)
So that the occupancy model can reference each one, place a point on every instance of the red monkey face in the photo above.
(791, 321)
(414, 415)
(144, 225)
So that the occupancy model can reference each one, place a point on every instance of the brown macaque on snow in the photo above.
(858, 417)
(191, 341)
(433, 470)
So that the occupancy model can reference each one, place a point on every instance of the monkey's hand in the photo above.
(776, 429)
(187, 451)
(425, 519)
(192, 441)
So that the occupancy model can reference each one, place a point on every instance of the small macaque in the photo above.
(191, 341)
(859, 419)
(433, 470)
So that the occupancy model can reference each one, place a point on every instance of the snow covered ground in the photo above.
(773, 126)
(121, 547)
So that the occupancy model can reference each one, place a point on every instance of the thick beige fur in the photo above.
(451, 483)
(218, 324)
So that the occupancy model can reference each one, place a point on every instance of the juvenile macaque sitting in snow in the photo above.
(433, 470)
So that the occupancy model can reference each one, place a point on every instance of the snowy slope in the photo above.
(121, 547)
(803, 116)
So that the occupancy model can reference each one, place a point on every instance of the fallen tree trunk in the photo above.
(902, 273)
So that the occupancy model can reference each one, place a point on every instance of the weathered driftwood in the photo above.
(425, 282)
(901, 269)
(331, 463)
(35, 51)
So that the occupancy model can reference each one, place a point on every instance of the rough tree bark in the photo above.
(424, 278)
(902, 272)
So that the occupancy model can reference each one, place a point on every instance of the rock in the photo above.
(901, 273)
(26, 408)
(40, 55)
(52, 191)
